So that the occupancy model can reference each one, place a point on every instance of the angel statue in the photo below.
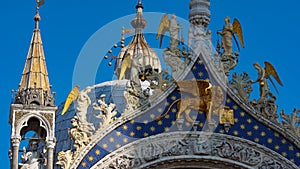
(83, 102)
(229, 31)
(263, 75)
(171, 26)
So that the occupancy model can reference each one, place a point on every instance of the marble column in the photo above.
(15, 144)
(50, 152)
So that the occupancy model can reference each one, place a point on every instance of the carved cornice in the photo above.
(197, 147)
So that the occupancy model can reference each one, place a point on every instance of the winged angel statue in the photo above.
(83, 102)
(171, 26)
(229, 31)
(263, 75)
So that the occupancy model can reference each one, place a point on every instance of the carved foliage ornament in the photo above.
(291, 121)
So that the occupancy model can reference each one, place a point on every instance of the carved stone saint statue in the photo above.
(83, 102)
(78, 134)
(33, 159)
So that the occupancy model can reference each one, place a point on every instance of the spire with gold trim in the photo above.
(34, 88)
(134, 59)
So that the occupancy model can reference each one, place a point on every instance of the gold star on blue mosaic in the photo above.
(132, 134)
(242, 114)
(118, 133)
(125, 127)
(173, 97)
(91, 158)
(104, 145)
(159, 123)
(270, 140)
(200, 74)
(97, 152)
(111, 139)
(152, 116)
(138, 128)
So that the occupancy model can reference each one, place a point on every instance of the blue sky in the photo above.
(270, 33)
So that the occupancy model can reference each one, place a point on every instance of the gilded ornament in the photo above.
(207, 98)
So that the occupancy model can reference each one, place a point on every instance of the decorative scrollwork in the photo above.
(65, 159)
(107, 111)
(241, 85)
(291, 122)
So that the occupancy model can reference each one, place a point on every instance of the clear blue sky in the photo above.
(270, 33)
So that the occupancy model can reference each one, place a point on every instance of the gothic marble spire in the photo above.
(34, 87)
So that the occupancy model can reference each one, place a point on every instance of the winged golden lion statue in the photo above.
(207, 98)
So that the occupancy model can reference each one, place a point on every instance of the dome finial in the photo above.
(139, 5)
(37, 17)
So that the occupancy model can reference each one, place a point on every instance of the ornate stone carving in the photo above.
(227, 62)
(49, 117)
(65, 159)
(197, 145)
(78, 134)
(81, 140)
(107, 112)
(18, 116)
(134, 96)
(241, 85)
(200, 40)
(269, 163)
(237, 152)
(177, 65)
(291, 121)
(83, 102)
(124, 162)
(267, 108)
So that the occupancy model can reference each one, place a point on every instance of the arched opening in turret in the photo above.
(34, 124)
(32, 151)
(35, 102)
